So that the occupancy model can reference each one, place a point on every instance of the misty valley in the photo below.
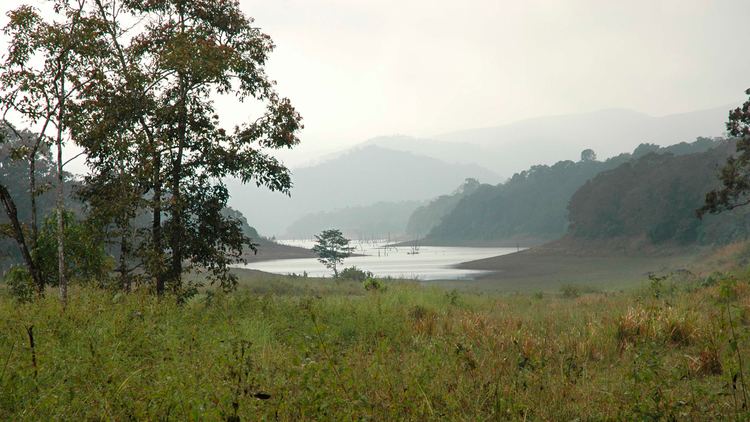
(374, 210)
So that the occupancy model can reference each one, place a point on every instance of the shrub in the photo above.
(656, 285)
(631, 326)
(570, 291)
(418, 312)
(85, 257)
(713, 279)
(678, 329)
(452, 297)
(707, 363)
(355, 274)
(372, 284)
(20, 284)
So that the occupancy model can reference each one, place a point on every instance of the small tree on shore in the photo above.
(332, 247)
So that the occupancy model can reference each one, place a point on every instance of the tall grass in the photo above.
(293, 349)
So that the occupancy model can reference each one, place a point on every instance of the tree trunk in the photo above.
(156, 224)
(61, 194)
(32, 195)
(177, 223)
(177, 206)
(12, 212)
(124, 253)
(125, 238)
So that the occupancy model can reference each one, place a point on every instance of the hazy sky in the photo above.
(360, 68)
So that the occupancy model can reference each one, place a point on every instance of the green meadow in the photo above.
(283, 348)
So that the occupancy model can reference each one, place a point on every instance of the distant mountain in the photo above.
(378, 221)
(511, 148)
(450, 152)
(360, 177)
(532, 205)
(400, 168)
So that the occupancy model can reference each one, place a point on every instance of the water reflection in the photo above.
(412, 262)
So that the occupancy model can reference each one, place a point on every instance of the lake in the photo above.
(428, 263)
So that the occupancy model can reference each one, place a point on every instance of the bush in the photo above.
(569, 291)
(20, 284)
(85, 257)
(372, 284)
(631, 327)
(572, 291)
(355, 274)
(713, 279)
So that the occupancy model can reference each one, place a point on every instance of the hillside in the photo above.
(532, 205)
(654, 199)
(426, 217)
(361, 177)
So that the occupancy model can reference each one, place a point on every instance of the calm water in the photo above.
(430, 263)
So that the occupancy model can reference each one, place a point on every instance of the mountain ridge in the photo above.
(360, 177)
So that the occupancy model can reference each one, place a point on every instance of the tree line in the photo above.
(532, 206)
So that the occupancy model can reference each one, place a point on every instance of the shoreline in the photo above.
(272, 251)
(551, 267)
(504, 243)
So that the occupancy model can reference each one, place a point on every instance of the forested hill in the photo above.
(424, 218)
(654, 199)
(532, 206)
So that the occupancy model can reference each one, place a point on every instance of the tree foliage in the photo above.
(588, 155)
(51, 61)
(26, 173)
(86, 259)
(152, 131)
(654, 199)
(133, 83)
(332, 247)
(735, 175)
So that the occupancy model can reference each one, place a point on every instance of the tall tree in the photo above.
(45, 67)
(165, 72)
(735, 175)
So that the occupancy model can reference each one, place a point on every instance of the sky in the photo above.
(361, 68)
(357, 69)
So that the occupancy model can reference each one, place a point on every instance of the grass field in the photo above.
(294, 349)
